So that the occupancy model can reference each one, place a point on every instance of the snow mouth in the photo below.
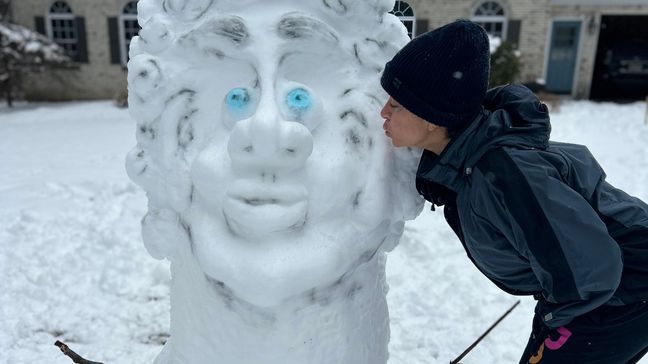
(257, 208)
(260, 201)
(255, 193)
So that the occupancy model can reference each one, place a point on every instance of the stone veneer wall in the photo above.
(98, 79)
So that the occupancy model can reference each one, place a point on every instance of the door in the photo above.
(563, 52)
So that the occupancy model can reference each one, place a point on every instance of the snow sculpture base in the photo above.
(272, 189)
(344, 322)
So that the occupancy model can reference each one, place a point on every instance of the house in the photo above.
(96, 35)
(594, 49)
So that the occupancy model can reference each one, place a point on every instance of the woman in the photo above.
(536, 217)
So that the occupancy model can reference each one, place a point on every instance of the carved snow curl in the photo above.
(187, 10)
(145, 76)
(155, 35)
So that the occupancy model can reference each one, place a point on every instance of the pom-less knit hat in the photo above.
(442, 75)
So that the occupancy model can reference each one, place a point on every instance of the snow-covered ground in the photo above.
(73, 267)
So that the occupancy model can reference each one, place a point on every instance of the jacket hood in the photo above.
(512, 115)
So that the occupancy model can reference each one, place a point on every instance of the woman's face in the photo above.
(403, 127)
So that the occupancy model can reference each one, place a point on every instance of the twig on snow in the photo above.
(74, 356)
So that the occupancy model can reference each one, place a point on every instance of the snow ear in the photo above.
(163, 233)
(140, 168)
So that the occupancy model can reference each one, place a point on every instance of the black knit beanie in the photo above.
(442, 75)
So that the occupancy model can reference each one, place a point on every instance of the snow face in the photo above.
(258, 126)
(261, 150)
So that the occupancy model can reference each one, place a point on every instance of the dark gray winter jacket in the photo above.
(538, 217)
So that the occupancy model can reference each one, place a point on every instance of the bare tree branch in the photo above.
(74, 356)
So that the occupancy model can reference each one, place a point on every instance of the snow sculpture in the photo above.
(272, 189)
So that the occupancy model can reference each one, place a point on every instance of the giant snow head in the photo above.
(260, 143)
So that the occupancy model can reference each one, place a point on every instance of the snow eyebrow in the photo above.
(233, 28)
(296, 25)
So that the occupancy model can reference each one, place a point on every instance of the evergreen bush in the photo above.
(505, 65)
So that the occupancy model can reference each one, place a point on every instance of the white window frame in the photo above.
(49, 29)
(503, 19)
(124, 44)
(404, 18)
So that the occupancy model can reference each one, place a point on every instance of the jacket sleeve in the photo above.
(577, 263)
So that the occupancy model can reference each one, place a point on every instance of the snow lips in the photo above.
(260, 147)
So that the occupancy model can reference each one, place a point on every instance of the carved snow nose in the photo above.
(268, 144)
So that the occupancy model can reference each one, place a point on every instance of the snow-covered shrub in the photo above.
(24, 50)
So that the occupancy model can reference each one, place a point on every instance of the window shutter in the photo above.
(513, 33)
(113, 36)
(40, 24)
(422, 26)
(82, 56)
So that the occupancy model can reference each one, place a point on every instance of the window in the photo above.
(128, 28)
(62, 28)
(405, 13)
(491, 16)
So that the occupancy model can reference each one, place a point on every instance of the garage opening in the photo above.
(621, 66)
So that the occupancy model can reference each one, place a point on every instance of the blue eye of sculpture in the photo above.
(237, 99)
(299, 100)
